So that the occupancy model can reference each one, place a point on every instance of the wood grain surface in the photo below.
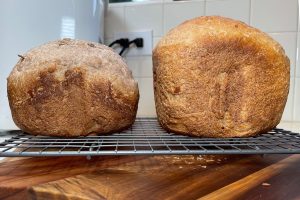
(152, 177)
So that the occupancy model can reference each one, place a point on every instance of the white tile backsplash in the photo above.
(288, 110)
(297, 100)
(155, 41)
(114, 21)
(274, 15)
(108, 41)
(141, 66)
(136, 2)
(298, 56)
(289, 42)
(145, 17)
(235, 9)
(279, 18)
(146, 103)
(177, 12)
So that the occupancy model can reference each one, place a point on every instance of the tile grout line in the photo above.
(297, 49)
(205, 7)
(298, 15)
(124, 19)
(294, 102)
(277, 32)
(293, 99)
(163, 20)
(250, 8)
(295, 68)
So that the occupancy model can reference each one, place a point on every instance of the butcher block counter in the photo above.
(153, 177)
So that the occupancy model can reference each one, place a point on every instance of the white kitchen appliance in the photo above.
(25, 24)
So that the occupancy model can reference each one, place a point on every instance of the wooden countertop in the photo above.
(151, 177)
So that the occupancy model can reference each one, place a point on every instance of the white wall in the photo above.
(279, 18)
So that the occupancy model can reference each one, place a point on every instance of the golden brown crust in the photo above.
(71, 88)
(217, 77)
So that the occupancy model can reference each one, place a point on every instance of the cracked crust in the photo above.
(72, 88)
(217, 77)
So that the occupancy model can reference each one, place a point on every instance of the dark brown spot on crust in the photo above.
(91, 44)
(47, 80)
(46, 88)
(74, 77)
(61, 43)
(64, 41)
(177, 90)
(31, 93)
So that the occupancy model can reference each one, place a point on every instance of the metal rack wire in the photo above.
(146, 137)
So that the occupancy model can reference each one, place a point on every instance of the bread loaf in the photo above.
(72, 88)
(218, 77)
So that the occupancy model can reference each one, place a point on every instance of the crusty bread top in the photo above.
(202, 27)
(69, 53)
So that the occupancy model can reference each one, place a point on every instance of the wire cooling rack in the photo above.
(146, 137)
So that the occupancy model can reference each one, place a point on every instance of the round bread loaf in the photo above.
(218, 77)
(72, 88)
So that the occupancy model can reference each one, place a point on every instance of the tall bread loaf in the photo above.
(72, 88)
(218, 77)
